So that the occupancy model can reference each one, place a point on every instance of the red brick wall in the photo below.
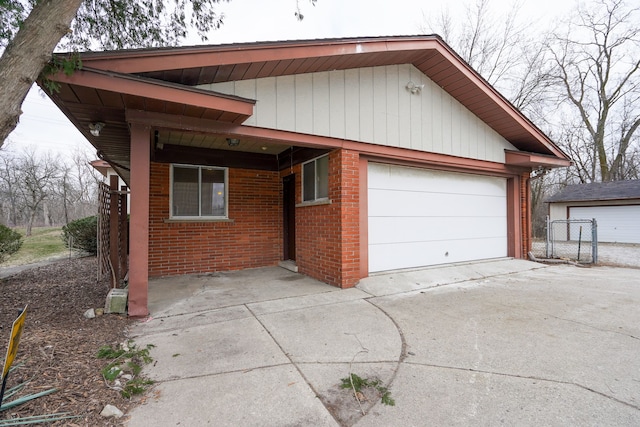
(252, 239)
(327, 235)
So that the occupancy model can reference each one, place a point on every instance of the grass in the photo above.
(129, 359)
(44, 243)
(358, 383)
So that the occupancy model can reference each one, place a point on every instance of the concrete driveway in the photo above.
(506, 342)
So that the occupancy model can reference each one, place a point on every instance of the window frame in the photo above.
(199, 217)
(315, 172)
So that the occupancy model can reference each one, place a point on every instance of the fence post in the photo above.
(594, 240)
(547, 237)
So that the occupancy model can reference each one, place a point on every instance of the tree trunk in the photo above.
(45, 213)
(27, 54)
(30, 220)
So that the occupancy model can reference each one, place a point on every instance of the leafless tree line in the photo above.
(41, 189)
(579, 81)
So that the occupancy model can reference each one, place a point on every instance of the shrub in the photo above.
(82, 234)
(10, 242)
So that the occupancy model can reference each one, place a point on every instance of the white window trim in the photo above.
(316, 199)
(199, 217)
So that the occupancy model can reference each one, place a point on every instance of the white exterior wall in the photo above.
(558, 211)
(370, 105)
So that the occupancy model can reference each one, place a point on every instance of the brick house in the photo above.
(343, 156)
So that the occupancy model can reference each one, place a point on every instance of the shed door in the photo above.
(615, 223)
(420, 217)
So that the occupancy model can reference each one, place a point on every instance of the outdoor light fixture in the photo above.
(95, 128)
(414, 88)
(233, 142)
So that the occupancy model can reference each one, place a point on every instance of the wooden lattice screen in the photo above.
(113, 236)
(103, 230)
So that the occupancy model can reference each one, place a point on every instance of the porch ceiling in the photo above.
(218, 142)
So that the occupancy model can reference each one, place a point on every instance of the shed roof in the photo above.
(614, 190)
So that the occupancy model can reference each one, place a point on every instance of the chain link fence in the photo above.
(569, 239)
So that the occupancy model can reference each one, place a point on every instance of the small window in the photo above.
(315, 179)
(198, 191)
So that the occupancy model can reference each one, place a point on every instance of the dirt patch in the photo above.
(59, 345)
(619, 254)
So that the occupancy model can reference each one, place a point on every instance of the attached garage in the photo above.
(421, 217)
(615, 223)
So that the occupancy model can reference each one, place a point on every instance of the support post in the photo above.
(139, 222)
(124, 236)
(114, 219)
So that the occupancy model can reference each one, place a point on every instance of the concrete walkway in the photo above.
(505, 342)
(6, 272)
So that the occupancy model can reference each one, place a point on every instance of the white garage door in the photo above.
(615, 223)
(421, 217)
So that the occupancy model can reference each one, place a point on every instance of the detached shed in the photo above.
(615, 206)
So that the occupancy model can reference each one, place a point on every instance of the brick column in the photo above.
(350, 218)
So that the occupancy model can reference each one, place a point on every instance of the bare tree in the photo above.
(45, 190)
(9, 188)
(498, 46)
(76, 189)
(597, 70)
(36, 175)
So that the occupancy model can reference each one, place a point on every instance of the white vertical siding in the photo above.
(366, 104)
(352, 110)
(370, 105)
(265, 101)
(320, 110)
(405, 113)
(285, 103)
(337, 111)
(303, 103)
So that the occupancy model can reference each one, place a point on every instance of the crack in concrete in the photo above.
(294, 364)
(572, 321)
(235, 371)
(527, 377)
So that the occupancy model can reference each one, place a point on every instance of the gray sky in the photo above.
(45, 127)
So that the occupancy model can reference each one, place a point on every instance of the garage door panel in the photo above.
(398, 256)
(421, 217)
(412, 203)
(412, 179)
(615, 223)
(415, 229)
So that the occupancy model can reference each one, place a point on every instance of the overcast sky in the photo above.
(44, 127)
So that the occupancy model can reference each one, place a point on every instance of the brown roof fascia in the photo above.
(154, 89)
(144, 60)
(190, 124)
(496, 97)
(101, 166)
(533, 160)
